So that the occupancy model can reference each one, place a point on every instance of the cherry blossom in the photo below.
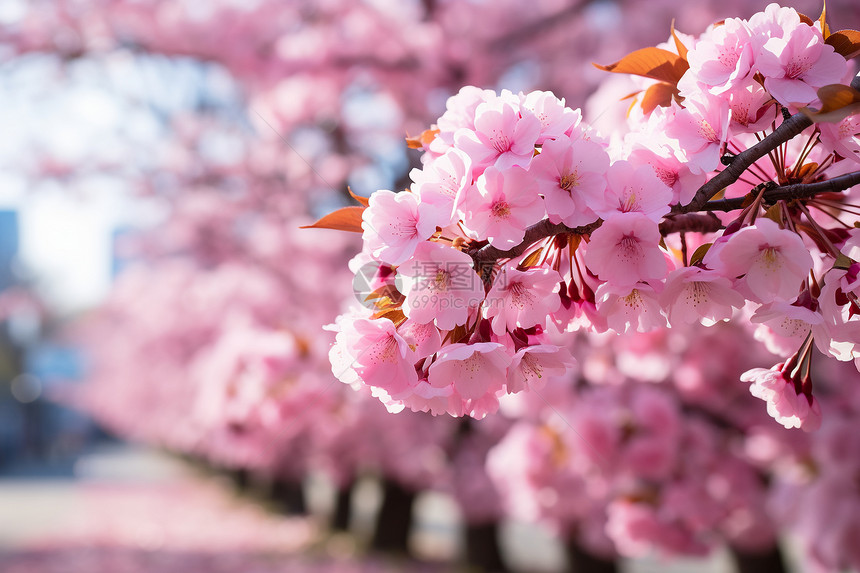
(624, 250)
(785, 403)
(693, 294)
(440, 286)
(723, 55)
(570, 176)
(503, 136)
(522, 299)
(634, 189)
(795, 64)
(505, 204)
(771, 261)
(477, 373)
(394, 224)
(532, 366)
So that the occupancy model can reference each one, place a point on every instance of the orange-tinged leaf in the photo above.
(386, 291)
(395, 315)
(658, 95)
(363, 200)
(458, 334)
(845, 42)
(700, 253)
(842, 262)
(530, 260)
(420, 141)
(806, 169)
(806, 19)
(822, 20)
(654, 63)
(344, 219)
(837, 102)
(679, 45)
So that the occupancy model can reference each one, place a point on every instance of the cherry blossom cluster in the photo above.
(523, 221)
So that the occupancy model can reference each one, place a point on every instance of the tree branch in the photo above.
(741, 162)
(690, 223)
(537, 27)
(486, 256)
(790, 192)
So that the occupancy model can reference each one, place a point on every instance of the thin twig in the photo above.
(790, 192)
(742, 161)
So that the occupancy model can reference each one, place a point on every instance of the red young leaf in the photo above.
(345, 219)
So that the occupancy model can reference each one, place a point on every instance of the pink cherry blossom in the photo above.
(771, 260)
(459, 113)
(634, 189)
(380, 356)
(570, 175)
(478, 373)
(668, 162)
(693, 294)
(774, 22)
(555, 118)
(505, 204)
(796, 64)
(785, 404)
(841, 312)
(783, 326)
(723, 55)
(624, 250)
(423, 339)
(394, 224)
(701, 128)
(503, 136)
(843, 137)
(629, 309)
(436, 400)
(532, 366)
(750, 106)
(443, 181)
(440, 286)
(522, 299)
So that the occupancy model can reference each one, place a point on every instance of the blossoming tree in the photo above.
(730, 195)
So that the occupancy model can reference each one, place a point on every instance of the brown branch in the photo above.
(485, 257)
(790, 192)
(742, 161)
(690, 223)
(536, 28)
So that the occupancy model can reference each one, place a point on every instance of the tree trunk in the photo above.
(394, 519)
(289, 496)
(770, 561)
(581, 561)
(342, 514)
(241, 479)
(482, 548)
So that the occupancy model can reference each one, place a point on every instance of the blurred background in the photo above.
(166, 402)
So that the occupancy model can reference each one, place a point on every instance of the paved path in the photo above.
(130, 510)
